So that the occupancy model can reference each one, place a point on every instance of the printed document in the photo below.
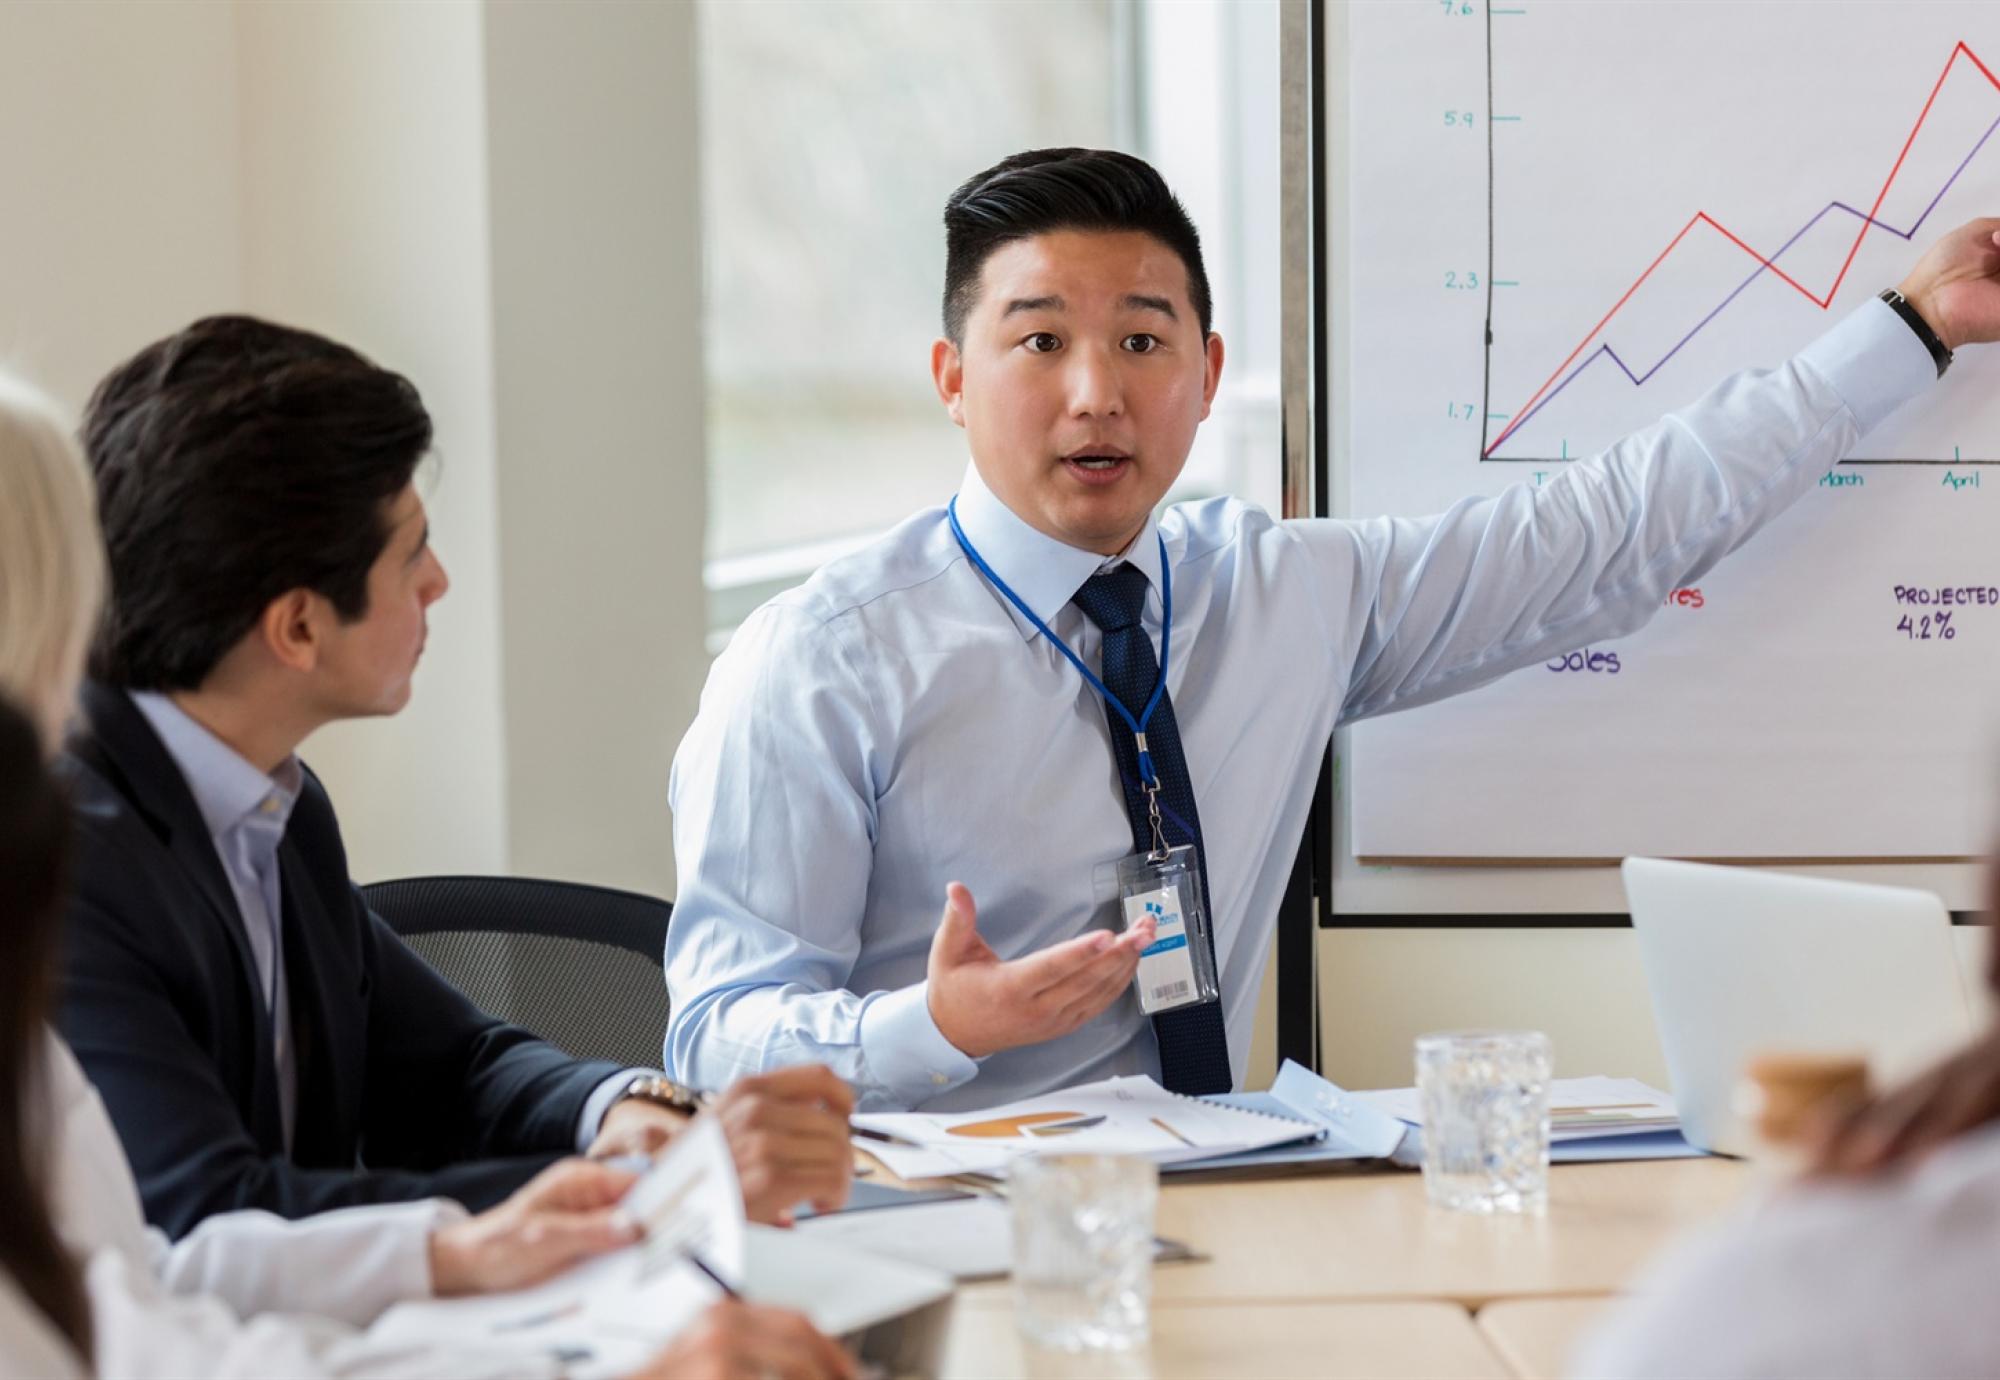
(1119, 1116)
(610, 1315)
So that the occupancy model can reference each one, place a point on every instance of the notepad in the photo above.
(1119, 1116)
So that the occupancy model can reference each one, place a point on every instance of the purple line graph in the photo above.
(1765, 266)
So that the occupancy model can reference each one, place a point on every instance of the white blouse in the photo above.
(1890, 1276)
(246, 1294)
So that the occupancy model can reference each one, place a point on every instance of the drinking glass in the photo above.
(1083, 1249)
(1486, 1119)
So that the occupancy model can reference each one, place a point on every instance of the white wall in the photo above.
(365, 217)
(1382, 988)
(497, 200)
(596, 231)
(120, 182)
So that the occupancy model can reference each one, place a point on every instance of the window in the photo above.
(832, 132)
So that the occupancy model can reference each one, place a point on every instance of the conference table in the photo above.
(1354, 1274)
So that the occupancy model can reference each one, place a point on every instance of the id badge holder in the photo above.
(1176, 969)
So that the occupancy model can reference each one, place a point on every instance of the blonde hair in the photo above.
(52, 570)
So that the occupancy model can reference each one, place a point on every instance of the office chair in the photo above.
(578, 965)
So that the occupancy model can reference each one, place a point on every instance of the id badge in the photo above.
(1176, 969)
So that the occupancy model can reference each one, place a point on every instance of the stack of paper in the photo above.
(1595, 1118)
(1579, 1108)
(1119, 1116)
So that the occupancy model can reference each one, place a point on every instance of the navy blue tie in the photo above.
(1194, 1047)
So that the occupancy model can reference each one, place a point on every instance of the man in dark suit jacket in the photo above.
(260, 1037)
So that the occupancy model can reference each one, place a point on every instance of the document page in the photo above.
(1578, 1107)
(609, 1315)
(1119, 1116)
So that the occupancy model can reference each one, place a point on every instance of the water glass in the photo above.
(1083, 1249)
(1486, 1119)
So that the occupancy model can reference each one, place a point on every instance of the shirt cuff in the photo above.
(415, 1280)
(1874, 361)
(599, 1102)
(906, 1054)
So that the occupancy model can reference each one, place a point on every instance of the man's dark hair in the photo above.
(236, 461)
(1042, 190)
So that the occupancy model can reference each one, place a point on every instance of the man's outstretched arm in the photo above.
(1423, 608)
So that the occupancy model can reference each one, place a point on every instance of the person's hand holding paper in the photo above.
(567, 1213)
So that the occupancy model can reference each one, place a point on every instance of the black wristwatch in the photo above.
(1900, 305)
(650, 1087)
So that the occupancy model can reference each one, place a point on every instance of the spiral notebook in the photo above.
(1118, 1116)
(1352, 1134)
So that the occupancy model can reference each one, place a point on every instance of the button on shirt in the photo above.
(246, 813)
(894, 724)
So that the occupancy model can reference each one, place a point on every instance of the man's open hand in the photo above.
(983, 1005)
(1956, 285)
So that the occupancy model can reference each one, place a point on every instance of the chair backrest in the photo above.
(578, 965)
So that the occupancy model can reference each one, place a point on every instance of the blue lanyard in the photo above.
(1147, 776)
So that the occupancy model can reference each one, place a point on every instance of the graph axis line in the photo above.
(1486, 354)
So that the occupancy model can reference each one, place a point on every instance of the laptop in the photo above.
(1742, 962)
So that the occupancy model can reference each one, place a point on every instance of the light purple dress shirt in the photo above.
(246, 813)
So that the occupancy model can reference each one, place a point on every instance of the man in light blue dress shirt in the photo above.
(898, 733)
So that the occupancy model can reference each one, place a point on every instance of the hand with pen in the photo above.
(787, 1132)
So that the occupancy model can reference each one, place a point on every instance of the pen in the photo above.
(709, 1270)
(867, 1134)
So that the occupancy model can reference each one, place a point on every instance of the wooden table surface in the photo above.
(1326, 1341)
(1373, 1237)
(1535, 1337)
(1354, 1274)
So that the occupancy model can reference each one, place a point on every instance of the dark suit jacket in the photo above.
(406, 1090)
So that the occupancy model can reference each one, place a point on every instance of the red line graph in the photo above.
(1522, 413)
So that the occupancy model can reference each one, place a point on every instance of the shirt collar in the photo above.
(1044, 572)
(227, 790)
